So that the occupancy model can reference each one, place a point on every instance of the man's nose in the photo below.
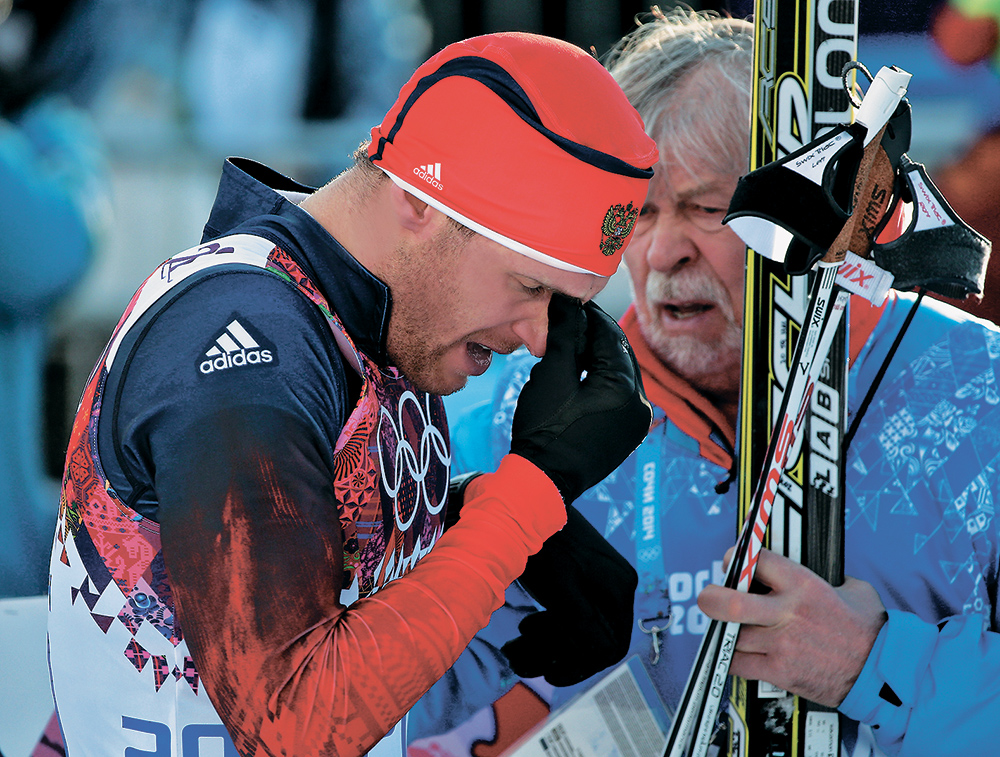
(671, 243)
(533, 330)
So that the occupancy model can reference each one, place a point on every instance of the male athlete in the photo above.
(250, 554)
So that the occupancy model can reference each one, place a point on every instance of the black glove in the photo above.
(456, 496)
(587, 589)
(575, 430)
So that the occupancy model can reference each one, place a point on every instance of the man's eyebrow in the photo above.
(527, 279)
(702, 189)
(555, 289)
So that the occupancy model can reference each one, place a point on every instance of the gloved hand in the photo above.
(456, 496)
(587, 589)
(577, 430)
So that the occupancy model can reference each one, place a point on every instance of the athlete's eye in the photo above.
(709, 210)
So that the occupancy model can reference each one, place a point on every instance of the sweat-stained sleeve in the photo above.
(289, 667)
(250, 530)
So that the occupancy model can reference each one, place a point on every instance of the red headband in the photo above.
(526, 140)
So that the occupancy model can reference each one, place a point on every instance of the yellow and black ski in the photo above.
(800, 49)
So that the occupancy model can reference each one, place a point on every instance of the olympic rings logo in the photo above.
(649, 554)
(410, 463)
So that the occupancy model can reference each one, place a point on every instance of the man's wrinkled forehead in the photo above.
(692, 175)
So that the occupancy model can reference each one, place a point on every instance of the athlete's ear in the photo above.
(412, 213)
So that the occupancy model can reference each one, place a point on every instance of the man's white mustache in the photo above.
(693, 287)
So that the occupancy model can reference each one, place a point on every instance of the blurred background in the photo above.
(136, 103)
(116, 116)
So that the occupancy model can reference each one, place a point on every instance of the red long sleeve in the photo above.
(339, 684)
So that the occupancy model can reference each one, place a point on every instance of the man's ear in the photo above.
(412, 213)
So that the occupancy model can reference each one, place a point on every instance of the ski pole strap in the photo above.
(831, 194)
(938, 251)
(793, 198)
(816, 203)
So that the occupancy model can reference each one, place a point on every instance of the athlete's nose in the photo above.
(534, 331)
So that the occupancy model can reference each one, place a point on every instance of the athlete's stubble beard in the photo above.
(425, 306)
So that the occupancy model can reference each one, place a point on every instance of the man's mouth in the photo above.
(481, 354)
(683, 311)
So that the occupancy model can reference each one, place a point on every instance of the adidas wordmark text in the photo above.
(431, 173)
(234, 348)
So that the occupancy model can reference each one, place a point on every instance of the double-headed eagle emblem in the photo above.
(618, 223)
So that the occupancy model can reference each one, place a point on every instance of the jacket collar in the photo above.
(255, 199)
(690, 410)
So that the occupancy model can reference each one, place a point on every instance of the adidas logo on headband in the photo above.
(431, 173)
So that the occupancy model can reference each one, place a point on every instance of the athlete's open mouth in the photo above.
(480, 354)
(479, 351)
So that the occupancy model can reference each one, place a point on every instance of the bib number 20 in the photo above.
(216, 741)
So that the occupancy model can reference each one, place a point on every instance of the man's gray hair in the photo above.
(689, 74)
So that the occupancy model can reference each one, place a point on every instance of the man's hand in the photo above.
(587, 589)
(583, 410)
(804, 635)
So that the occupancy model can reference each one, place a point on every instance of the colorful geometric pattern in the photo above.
(393, 448)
